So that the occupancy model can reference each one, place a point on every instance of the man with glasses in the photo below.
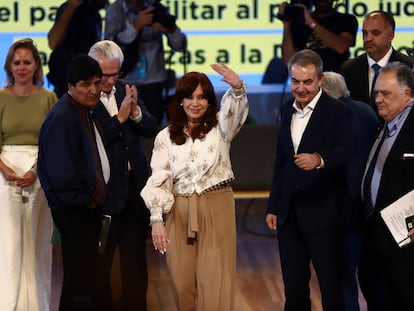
(386, 271)
(128, 229)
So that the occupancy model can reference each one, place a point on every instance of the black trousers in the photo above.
(82, 282)
(385, 271)
(297, 249)
(129, 232)
(87, 273)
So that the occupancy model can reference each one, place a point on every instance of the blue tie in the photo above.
(366, 188)
(376, 69)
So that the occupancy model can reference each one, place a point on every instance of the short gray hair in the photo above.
(334, 84)
(306, 57)
(108, 49)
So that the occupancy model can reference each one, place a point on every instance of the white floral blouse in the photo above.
(196, 165)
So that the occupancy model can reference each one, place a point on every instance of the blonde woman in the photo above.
(25, 220)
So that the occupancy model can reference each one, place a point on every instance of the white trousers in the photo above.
(25, 233)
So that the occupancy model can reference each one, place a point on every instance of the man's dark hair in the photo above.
(306, 57)
(389, 19)
(81, 68)
(403, 73)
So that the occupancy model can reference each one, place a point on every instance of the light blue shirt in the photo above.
(394, 127)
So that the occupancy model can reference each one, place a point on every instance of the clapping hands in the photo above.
(129, 104)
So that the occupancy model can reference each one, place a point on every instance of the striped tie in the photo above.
(366, 189)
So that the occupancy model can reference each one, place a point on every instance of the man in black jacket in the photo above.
(378, 32)
(129, 172)
(308, 193)
(73, 169)
(78, 25)
(386, 270)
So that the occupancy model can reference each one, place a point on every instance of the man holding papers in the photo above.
(386, 270)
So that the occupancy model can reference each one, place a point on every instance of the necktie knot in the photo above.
(376, 68)
(386, 130)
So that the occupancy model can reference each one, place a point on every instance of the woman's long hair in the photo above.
(178, 118)
(27, 44)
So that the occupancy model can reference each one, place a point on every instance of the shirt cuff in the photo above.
(241, 91)
(156, 215)
(322, 165)
(138, 117)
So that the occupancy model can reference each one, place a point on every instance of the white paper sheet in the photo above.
(394, 217)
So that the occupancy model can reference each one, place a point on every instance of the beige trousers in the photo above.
(25, 232)
(203, 268)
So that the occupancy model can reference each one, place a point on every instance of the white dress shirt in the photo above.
(300, 119)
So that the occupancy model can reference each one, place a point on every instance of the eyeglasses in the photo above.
(111, 75)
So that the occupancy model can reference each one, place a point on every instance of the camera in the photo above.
(162, 16)
(294, 13)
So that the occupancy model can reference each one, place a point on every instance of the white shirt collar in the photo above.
(310, 106)
(382, 62)
(109, 101)
(105, 95)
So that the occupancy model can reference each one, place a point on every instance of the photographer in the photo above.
(325, 30)
(78, 25)
(137, 27)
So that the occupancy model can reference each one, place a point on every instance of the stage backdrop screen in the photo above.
(245, 34)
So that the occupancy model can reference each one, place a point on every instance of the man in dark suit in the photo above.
(377, 34)
(308, 190)
(364, 125)
(388, 269)
(73, 169)
(129, 172)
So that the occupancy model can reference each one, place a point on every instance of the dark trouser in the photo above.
(153, 97)
(82, 283)
(297, 249)
(353, 245)
(385, 271)
(372, 279)
(129, 231)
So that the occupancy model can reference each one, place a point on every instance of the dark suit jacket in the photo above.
(355, 72)
(122, 146)
(318, 194)
(363, 127)
(396, 180)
